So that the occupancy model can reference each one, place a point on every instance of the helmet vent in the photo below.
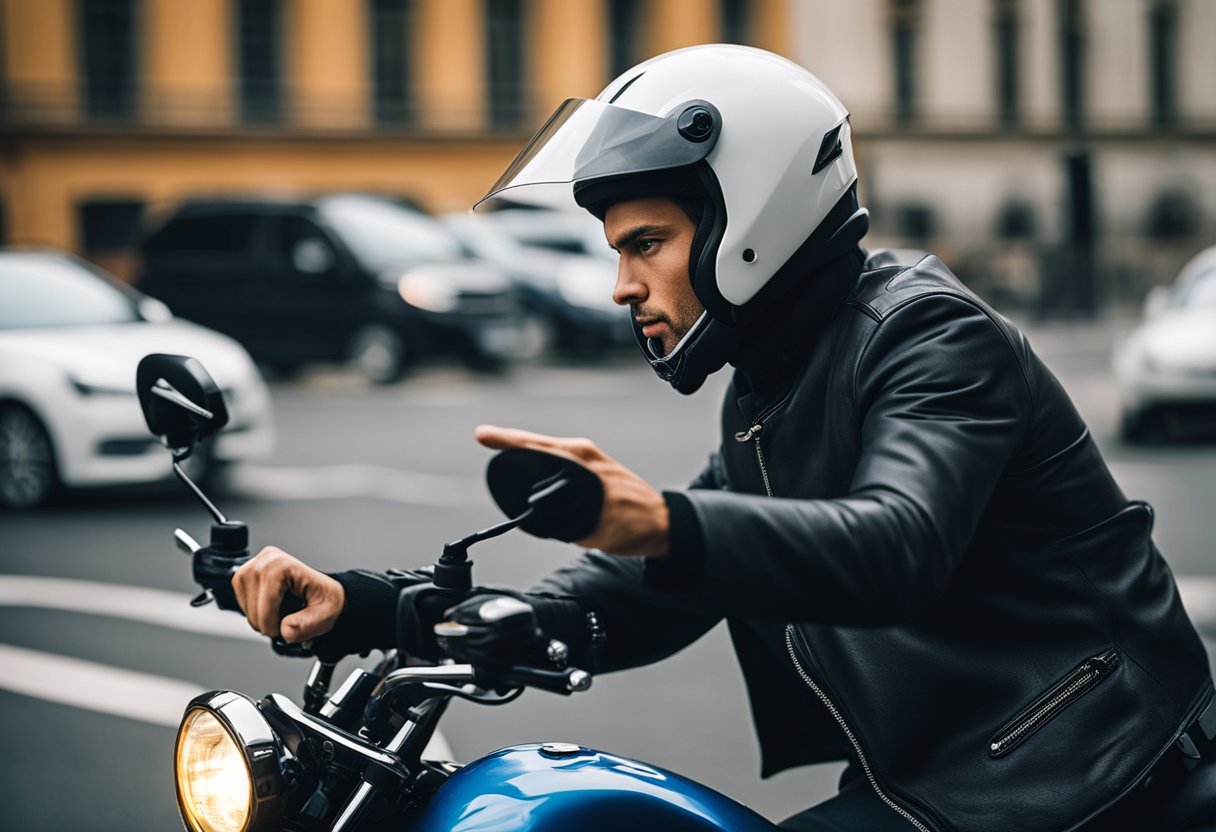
(628, 84)
(829, 150)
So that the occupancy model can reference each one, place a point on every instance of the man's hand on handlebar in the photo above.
(264, 581)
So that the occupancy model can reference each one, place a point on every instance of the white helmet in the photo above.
(760, 139)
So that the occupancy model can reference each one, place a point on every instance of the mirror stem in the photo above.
(198, 492)
(454, 570)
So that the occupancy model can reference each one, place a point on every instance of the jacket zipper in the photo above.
(848, 732)
(750, 435)
(754, 433)
(1059, 697)
(747, 436)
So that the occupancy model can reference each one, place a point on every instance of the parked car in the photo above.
(351, 277)
(570, 293)
(1167, 367)
(70, 338)
(572, 232)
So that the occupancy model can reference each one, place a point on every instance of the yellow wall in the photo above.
(188, 59)
(450, 65)
(327, 62)
(566, 62)
(39, 53)
(673, 24)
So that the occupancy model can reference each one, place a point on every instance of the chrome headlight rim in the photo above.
(260, 749)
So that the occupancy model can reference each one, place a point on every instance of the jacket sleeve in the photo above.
(642, 622)
(942, 404)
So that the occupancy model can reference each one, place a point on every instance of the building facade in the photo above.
(112, 109)
(1061, 153)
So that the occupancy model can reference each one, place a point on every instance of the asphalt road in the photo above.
(92, 680)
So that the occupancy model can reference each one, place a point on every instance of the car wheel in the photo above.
(377, 353)
(27, 460)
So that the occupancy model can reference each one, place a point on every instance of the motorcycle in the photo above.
(352, 757)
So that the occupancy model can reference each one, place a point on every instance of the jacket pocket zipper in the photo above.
(1068, 690)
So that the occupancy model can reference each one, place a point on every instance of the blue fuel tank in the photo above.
(555, 786)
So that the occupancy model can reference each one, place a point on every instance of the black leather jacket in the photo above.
(924, 563)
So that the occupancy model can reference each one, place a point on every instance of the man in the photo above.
(926, 567)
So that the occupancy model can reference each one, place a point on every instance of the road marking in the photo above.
(356, 480)
(110, 690)
(134, 603)
(95, 687)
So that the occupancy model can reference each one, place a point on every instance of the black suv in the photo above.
(345, 277)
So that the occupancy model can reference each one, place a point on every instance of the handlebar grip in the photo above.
(289, 604)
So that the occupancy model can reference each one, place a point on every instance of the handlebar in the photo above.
(570, 680)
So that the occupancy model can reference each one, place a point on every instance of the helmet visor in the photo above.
(586, 139)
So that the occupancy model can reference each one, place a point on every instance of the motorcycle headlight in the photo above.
(227, 766)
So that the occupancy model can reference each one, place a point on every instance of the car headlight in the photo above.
(227, 766)
(427, 292)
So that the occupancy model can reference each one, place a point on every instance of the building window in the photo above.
(390, 32)
(916, 223)
(259, 48)
(1174, 216)
(1006, 33)
(108, 225)
(1072, 63)
(504, 62)
(904, 24)
(108, 51)
(624, 33)
(736, 21)
(1163, 49)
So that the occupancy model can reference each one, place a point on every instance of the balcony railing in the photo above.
(92, 107)
(283, 111)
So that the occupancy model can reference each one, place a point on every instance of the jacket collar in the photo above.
(778, 342)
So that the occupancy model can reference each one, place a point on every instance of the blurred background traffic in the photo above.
(280, 187)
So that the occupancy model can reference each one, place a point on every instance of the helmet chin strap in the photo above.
(703, 350)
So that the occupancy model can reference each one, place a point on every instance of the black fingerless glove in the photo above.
(369, 619)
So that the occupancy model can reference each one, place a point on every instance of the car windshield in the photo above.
(384, 236)
(1200, 291)
(485, 239)
(39, 291)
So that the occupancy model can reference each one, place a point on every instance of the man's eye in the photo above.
(646, 245)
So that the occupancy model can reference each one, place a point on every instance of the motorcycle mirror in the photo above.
(180, 400)
(565, 497)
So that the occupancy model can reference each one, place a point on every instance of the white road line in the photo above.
(95, 687)
(134, 603)
(110, 690)
(356, 480)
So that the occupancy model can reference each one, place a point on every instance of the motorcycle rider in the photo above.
(926, 567)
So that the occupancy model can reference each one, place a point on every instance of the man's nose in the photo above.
(628, 289)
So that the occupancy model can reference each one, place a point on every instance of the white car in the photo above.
(1167, 367)
(70, 339)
